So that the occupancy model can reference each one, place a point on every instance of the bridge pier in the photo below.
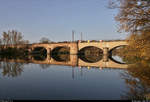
(48, 51)
(73, 48)
(74, 60)
(105, 50)
(105, 58)
(30, 50)
(30, 57)
(48, 58)
(105, 54)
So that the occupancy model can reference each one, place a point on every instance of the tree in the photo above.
(137, 79)
(13, 37)
(134, 18)
(12, 69)
(133, 15)
(44, 40)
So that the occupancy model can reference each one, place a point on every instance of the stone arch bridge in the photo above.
(75, 47)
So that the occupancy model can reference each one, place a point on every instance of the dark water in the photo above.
(62, 82)
(44, 81)
(61, 76)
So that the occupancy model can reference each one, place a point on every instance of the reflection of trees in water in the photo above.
(11, 69)
(61, 54)
(61, 50)
(44, 66)
(90, 54)
(118, 51)
(137, 78)
(91, 58)
(39, 53)
(122, 52)
(61, 57)
(39, 57)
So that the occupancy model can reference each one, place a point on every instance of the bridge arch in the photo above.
(39, 57)
(61, 53)
(91, 49)
(39, 53)
(103, 64)
(61, 50)
(90, 54)
(112, 49)
(116, 61)
(61, 57)
(39, 50)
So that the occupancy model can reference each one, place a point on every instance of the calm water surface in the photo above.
(36, 81)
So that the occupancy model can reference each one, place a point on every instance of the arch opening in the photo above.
(91, 54)
(39, 53)
(61, 50)
(61, 54)
(116, 54)
(39, 50)
(39, 57)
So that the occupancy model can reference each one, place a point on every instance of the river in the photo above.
(45, 81)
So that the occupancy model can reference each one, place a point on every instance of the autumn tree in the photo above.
(12, 69)
(13, 37)
(134, 18)
(137, 79)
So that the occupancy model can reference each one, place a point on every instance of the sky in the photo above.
(55, 19)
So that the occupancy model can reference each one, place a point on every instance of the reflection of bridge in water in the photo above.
(74, 48)
(105, 62)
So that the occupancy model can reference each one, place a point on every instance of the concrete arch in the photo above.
(118, 62)
(90, 60)
(61, 57)
(93, 48)
(39, 50)
(103, 64)
(39, 58)
(86, 44)
(106, 46)
(90, 54)
(112, 45)
(33, 46)
(65, 49)
(110, 51)
(61, 53)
